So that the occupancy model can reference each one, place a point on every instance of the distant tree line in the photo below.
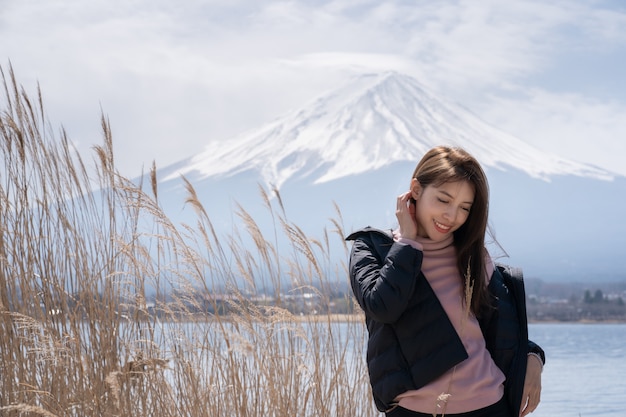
(593, 306)
(599, 298)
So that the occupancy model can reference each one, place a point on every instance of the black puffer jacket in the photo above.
(411, 340)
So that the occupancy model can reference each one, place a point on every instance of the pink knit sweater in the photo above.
(476, 382)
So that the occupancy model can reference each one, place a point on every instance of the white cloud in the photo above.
(570, 125)
(171, 76)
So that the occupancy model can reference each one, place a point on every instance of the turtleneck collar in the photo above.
(431, 245)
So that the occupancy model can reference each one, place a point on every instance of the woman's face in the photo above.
(440, 210)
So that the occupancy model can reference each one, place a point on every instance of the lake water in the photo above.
(585, 372)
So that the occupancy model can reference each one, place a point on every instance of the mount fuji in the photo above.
(355, 148)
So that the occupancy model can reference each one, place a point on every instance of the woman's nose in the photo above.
(450, 214)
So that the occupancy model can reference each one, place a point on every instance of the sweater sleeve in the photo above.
(383, 287)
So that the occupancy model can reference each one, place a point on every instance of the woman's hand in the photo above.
(532, 386)
(405, 213)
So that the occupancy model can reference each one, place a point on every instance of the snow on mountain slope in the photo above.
(373, 121)
(355, 148)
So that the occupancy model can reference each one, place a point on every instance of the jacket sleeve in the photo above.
(535, 348)
(383, 285)
(510, 341)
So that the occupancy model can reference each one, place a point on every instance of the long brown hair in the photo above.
(445, 164)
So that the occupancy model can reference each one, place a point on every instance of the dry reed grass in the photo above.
(81, 252)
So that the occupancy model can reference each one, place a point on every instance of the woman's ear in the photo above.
(416, 188)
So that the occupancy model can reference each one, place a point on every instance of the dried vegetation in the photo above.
(99, 295)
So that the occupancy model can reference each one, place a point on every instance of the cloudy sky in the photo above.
(172, 76)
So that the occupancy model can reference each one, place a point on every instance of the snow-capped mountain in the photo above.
(356, 147)
(370, 123)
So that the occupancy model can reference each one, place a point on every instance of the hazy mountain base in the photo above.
(565, 229)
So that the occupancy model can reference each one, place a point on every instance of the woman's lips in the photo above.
(441, 228)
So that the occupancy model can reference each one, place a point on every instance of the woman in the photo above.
(447, 329)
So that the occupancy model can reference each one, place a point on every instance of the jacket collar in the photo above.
(387, 233)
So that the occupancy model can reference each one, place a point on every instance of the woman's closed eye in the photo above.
(444, 201)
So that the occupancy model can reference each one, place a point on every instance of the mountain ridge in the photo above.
(374, 120)
(557, 219)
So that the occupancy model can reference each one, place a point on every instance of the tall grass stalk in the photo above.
(109, 308)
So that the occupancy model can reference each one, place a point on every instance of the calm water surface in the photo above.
(585, 372)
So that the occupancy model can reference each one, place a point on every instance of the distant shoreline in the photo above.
(356, 317)
(576, 321)
(349, 318)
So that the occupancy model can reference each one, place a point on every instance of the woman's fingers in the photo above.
(405, 213)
